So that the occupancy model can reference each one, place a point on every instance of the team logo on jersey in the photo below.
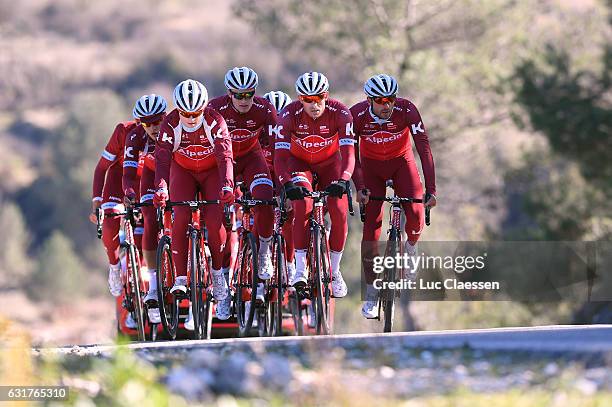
(251, 123)
(314, 143)
(323, 130)
(382, 137)
(196, 152)
(391, 126)
(239, 135)
(303, 126)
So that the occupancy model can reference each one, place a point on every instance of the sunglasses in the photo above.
(383, 100)
(313, 98)
(243, 95)
(152, 124)
(191, 115)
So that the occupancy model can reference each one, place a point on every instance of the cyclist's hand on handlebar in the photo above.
(226, 195)
(294, 192)
(336, 188)
(161, 196)
(430, 200)
(363, 196)
(94, 206)
(129, 197)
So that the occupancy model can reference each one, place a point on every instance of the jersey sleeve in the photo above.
(163, 152)
(282, 145)
(346, 136)
(223, 152)
(134, 144)
(358, 172)
(110, 155)
(421, 141)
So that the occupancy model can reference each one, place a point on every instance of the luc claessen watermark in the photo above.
(408, 267)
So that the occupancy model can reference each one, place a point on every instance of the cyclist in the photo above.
(248, 119)
(315, 135)
(150, 111)
(108, 196)
(194, 153)
(280, 100)
(384, 125)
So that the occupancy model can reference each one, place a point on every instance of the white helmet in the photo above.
(190, 96)
(278, 99)
(381, 85)
(241, 79)
(311, 83)
(149, 105)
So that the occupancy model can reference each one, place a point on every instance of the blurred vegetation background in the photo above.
(515, 95)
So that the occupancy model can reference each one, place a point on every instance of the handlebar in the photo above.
(397, 200)
(194, 205)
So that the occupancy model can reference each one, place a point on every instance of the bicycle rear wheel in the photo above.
(168, 303)
(134, 281)
(388, 296)
(247, 280)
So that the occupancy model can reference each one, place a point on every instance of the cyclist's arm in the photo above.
(163, 153)
(269, 129)
(109, 156)
(133, 147)
(421, 141)
(347, 150)
(223, 152)
(281, 147)
(358, 173)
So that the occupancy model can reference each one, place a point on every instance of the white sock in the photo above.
(264, 244)
(115, 266)
(152, 280)
(300, 260)
(335, 258)
(411, 249)
(225, 271)
(217, 272)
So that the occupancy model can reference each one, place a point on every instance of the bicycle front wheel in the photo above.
(280, 283)
(134, 279)
(195, 285)
(168, 303)
(388, 296)
(321, 292)
(247, 287)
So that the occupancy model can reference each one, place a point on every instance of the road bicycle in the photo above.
(386, 298)
(199, 276)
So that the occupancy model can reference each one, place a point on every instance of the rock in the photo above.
(277, 373)
(586, 386)
(551, 369)
(184, 382)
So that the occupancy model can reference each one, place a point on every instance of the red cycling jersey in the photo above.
(383, 140)
(139, 152)
(112, 156)
(314, 141)
(246, 129)
(197, 150)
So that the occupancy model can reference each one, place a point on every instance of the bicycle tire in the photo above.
(168, 304)
(280, 269)
(325, 262)
(296, 314)
(206, 306)
(134, 278)
(249, 264)
(319, 291)
(195, 287)
(388, 298)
